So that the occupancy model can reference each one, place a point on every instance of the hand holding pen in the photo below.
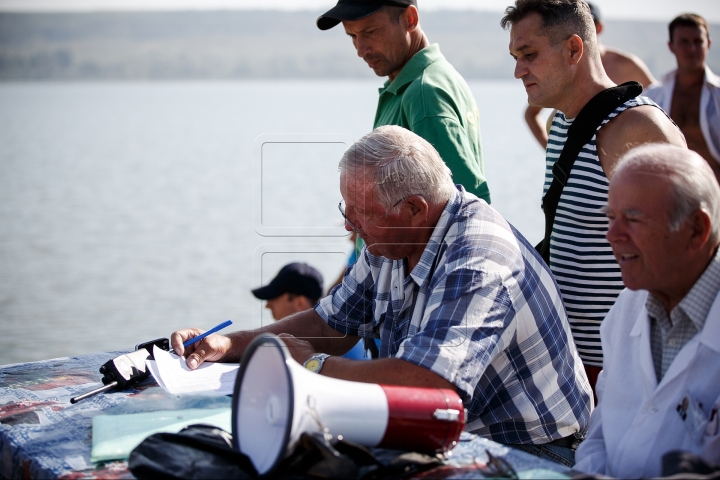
(189, 343)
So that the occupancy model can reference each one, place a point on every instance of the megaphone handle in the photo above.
(104, 388)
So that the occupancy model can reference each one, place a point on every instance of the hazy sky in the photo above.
(662, 10)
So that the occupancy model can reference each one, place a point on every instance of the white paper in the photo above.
(152, 366)
(172, 374)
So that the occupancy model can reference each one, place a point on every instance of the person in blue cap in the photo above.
(297, 287)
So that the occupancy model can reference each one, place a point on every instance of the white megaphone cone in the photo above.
(276, 400)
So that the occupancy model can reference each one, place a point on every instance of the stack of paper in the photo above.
(172, 374)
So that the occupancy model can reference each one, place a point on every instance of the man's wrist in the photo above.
(238, 342)
(315, 362)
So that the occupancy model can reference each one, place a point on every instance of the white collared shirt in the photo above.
(639, 419)
(662, 94)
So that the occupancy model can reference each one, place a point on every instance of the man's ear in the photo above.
(575, 48)
(412, 18)
(301, 302)
(418, 208)
(701, 227)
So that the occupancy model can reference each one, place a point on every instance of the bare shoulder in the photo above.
(623, 67)
(615, 55)
(634, 127)
(642, 124)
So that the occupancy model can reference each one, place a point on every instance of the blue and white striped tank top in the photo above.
(580, 257)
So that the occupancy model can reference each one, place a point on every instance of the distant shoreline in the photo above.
(261, 44)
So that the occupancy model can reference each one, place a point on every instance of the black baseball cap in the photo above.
(297, 278)
(355, 10)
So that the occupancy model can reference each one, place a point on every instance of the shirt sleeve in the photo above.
(591, 455)
(348, 307)
(468, 321)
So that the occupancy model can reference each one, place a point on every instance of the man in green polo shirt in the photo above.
(423, 93)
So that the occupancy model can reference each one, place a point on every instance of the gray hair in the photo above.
(693, 182)
(402, 164)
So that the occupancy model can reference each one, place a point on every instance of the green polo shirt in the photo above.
(430, 98)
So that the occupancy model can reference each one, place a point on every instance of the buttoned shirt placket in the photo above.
(670, 333)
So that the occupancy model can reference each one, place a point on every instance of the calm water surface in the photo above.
(129, 210)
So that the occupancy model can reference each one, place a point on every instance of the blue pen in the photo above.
(209, 332)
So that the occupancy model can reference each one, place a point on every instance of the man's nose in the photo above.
(352, 224)
(615, 231)
(362, 47)
(520, 69)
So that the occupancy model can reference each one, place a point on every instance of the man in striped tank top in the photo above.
(557, 58)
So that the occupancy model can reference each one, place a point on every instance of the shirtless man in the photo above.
(691, 94)
(620, 66)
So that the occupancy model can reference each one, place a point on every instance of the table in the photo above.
(43, 435)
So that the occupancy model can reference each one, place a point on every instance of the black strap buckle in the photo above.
(560, 174)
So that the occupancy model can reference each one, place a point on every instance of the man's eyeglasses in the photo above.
(341, 207)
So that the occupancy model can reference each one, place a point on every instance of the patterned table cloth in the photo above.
(43, 435)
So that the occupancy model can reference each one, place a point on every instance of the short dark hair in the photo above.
(688, 20)
(561, 18)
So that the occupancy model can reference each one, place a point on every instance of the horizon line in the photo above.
(23, 9)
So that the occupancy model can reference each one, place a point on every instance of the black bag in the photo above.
(580, 133)
(676, 465)
(203, 451)
(197, 452)
(685, 465)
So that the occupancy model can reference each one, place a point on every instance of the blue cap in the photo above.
(595, 12)
(296, 278)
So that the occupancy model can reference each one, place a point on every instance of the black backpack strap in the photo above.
(579, 134)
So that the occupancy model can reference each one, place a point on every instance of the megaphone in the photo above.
(276, 400)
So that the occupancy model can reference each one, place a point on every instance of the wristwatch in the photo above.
(315, 363)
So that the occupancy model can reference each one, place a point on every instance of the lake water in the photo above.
(130, 210)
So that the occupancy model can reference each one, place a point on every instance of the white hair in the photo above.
(693, 182)
(402, 164)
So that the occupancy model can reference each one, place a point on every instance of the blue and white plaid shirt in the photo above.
(482, 310)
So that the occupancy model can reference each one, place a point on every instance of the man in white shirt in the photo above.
(691, 94)
(659, 390)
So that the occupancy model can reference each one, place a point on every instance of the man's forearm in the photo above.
(536, 124)
(307, 325)
(389, 371)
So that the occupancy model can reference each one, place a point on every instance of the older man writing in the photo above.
(660, 385)
(457, 296)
